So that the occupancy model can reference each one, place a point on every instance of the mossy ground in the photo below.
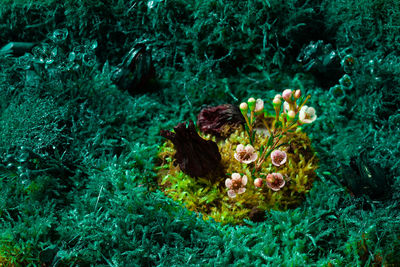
(208, 195)
(77, 153)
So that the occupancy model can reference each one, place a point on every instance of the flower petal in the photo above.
(237, 157)
(240, 148)
(235, 176)
(249, 149)
(241, 190)
(228, 183)
(275, 163)
(271, 186)
(285, 107)
(311, 111)
(244, 180)
(302, 113)
(252, 158)
(282, 184)
(231, 193)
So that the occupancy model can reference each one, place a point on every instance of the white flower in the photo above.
(278, 157)
(307, 114)
(245, 154)
(275, 181)
(236, 185)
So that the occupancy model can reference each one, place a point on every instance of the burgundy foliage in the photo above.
(220, 120)
(195, 156)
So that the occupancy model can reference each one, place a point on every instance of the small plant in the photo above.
(269, 161)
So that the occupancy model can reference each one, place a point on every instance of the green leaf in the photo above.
(261, 151)
(270, 140)
(283, 144)
(278, 124)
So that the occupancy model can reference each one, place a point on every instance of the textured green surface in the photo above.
(208, 195)
(75, 149)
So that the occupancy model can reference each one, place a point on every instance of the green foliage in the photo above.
(32, 123)
(71, 194)
(369, 24)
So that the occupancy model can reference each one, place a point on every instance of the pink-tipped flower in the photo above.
(278, 157)
(259, 106)
(252, 103)
(243, 108)
(277, 102)
(307, 114)
(236, 185)
(245, 154)
(291, 115)
(286, 107)
(275, 181)
(297, 94)
(287, 94)
(258, 182)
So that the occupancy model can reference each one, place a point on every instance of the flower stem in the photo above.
(266, 126)
(250, 127)
(304, 102)
(268, 151)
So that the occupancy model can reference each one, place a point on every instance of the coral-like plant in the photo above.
(270, 163)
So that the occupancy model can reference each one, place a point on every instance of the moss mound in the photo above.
(208, 195)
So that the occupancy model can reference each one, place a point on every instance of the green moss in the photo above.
(208, 195)
(13, 255)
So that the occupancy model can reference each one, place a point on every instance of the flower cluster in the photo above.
(290, 112)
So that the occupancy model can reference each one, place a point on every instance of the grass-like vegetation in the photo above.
(78, 153)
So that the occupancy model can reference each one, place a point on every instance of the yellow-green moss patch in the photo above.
(208, 195)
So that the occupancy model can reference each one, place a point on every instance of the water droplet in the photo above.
(94, 45)
(150, 4)
(60, 35)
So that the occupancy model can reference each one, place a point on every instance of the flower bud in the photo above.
(287, 94)
(252, 103)
(297, 94)
(276, 102)
(291, 115)
(243, 108)
(286, 107)
(259, 106)
(258, 182)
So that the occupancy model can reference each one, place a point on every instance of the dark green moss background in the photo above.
(75, 148)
